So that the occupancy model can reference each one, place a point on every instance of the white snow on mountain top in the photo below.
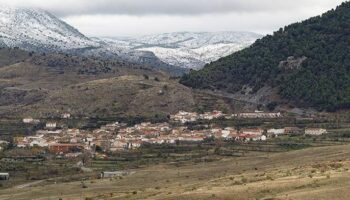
(35, 29)
(196, 40)
(188, 49)
(38, 30)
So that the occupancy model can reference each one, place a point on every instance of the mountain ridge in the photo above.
(40, 31)
(191, 50)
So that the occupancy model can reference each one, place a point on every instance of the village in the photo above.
(117, 136)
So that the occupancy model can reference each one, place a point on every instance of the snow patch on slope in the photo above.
(187, 49)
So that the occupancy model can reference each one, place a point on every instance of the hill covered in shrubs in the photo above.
(309, 63)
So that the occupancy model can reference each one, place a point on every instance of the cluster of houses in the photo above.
(119, 136)
(116, 136)
(185, 117)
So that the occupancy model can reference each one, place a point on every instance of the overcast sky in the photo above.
(142, 17)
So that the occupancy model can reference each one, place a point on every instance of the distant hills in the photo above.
(39, 31)
(191, 50)
(306, 63)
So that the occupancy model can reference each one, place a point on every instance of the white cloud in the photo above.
(260, 22)
(168, 7)
(136, 17)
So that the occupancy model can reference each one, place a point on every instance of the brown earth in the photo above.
(314, 173)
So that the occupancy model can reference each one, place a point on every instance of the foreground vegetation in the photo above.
(312, 173)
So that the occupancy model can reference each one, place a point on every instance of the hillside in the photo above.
(319, 173)
(190, 50)
(12, 56)
(120, 96)
(48, 85)
(308, 62)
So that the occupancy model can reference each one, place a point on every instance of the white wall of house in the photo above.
(276, 131)
(315, 131)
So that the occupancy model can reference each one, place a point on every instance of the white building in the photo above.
(39, 142)
(30, 121)
(66, 115)
(276, 132)
(257, 114)
(315, 131)
(184, 117)
(225, 133)
(253, 137)
(51, 125)
(4, 176)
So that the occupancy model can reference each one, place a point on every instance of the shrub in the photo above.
(244, 180)
(83, 185)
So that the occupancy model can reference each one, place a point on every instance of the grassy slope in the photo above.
(121, 95)
(315, 173)
(42, 86)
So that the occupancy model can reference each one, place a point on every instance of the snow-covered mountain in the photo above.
(34, 29)
(40, 31)
(188, 49)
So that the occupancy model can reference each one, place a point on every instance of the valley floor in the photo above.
(313, 173)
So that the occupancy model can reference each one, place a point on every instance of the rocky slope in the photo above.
(48, 85)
